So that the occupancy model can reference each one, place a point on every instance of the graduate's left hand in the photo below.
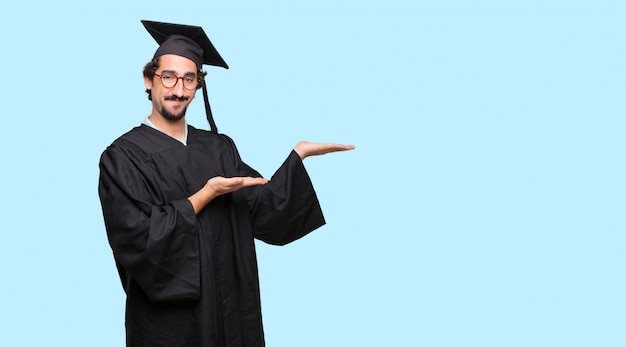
(307, 149)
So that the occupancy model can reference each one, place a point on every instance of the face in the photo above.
(171, 103)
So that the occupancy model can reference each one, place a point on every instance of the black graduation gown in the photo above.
(193, 280)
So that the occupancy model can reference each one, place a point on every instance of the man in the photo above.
(182, 210)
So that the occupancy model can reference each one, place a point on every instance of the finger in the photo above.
(250, 181)
(336, 148)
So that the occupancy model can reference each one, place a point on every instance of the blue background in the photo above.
(484, 204)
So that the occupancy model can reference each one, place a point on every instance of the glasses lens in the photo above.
(190, 82)
(168, 79)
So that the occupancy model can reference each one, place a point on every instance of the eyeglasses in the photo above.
(169, 80)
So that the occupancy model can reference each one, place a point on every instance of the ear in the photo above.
(148, 82)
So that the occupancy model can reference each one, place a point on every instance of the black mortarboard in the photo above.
(190, 42)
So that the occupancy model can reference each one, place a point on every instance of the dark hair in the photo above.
(153, 65)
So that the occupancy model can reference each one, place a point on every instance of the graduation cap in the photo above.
(190, 42)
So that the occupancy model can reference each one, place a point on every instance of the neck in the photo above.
(173, 128)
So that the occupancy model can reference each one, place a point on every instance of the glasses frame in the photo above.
(198, 80)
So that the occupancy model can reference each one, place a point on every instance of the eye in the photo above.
(167, 76)
(189, 79)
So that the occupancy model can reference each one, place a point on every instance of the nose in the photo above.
(178, 88)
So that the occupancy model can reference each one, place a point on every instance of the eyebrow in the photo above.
(175, 73)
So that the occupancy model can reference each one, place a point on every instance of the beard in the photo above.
(171, 116)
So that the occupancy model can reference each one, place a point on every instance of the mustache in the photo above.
(177, 98)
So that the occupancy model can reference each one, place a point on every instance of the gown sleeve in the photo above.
(287, 208)
(154, 242)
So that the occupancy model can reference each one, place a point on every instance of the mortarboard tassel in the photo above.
(207, 107)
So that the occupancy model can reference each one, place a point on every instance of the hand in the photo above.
(217, 186)
(307, 149)
(222, 185)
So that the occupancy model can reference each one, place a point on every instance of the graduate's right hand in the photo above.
(222, 185)
(217, 186)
